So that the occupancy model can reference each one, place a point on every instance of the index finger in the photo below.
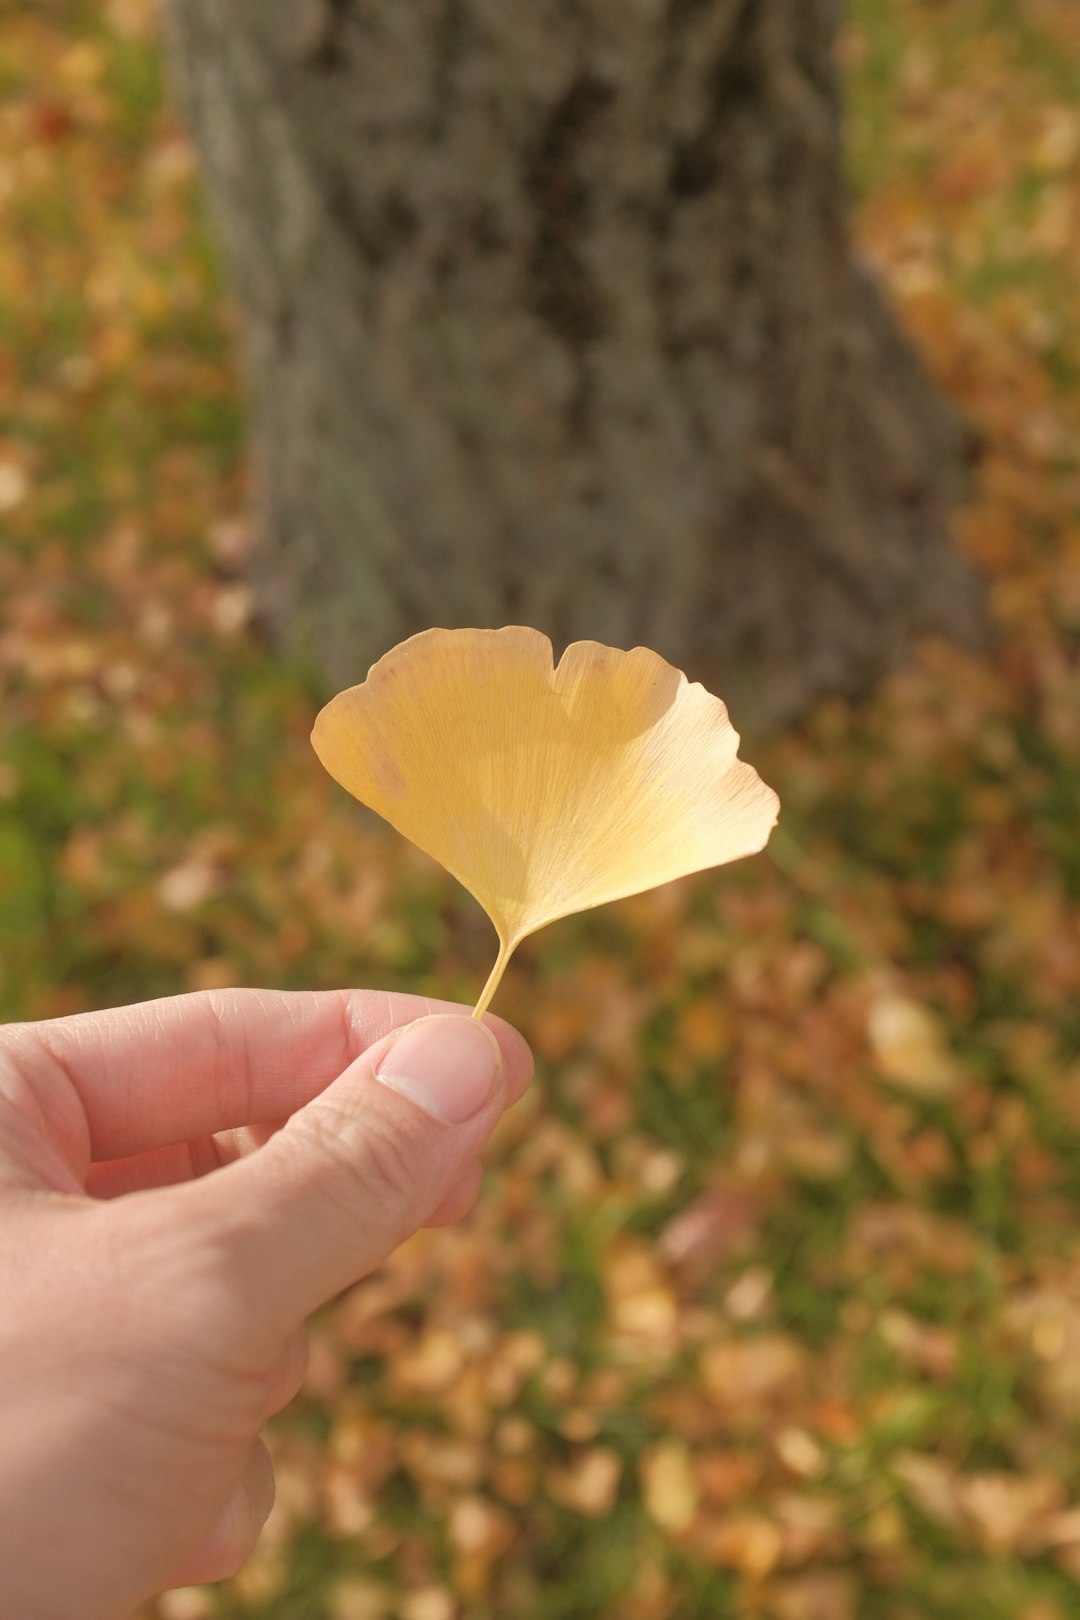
(185, 1066)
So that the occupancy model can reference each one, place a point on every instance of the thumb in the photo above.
(356, 1171)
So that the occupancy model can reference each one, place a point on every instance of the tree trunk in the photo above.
(552, 316)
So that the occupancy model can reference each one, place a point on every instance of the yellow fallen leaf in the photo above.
(748, 1542)
(669, 1490)
(545, 790)
(589, 1484)
(820, 1594)
(910, 1046)
(1009, 1513)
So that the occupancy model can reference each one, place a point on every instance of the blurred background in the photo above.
(771, 1307)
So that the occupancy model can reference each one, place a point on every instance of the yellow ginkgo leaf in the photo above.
(545, 790)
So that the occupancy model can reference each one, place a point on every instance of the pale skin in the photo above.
(181, 1184)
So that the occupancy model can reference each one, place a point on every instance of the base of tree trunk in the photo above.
(551, 316)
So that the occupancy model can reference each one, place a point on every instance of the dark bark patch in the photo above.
(378, 229)
(320, 28)
(738, 76)
(680, 12)
(735, 78)
(694, 165)
(448, 47)
(564, 291)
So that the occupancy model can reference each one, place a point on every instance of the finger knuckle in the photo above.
(376, 1167)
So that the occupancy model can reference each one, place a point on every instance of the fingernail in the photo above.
(448, 1065)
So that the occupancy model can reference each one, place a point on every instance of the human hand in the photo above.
(181, 1184)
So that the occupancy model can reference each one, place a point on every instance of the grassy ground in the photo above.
(772, 1307)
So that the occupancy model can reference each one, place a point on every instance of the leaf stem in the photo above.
(505, 953)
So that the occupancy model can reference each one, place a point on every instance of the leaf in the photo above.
(545, 790)
(669, 1490)
(589, 1484)
(1008, 1513)
(909, 1045)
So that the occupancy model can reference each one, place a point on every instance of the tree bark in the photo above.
(552, 316)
